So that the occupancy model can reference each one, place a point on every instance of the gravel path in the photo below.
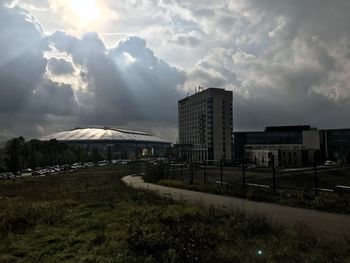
(326, 225)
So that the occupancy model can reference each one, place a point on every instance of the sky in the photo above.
(78, 63)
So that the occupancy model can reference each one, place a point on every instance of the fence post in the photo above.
(243, 171)
(174, 171)
(315, 175)
(181, 178)
(221, 179)
(273, 175)
(168, 168)
(204, 175)
(164, 167)
(191, 179)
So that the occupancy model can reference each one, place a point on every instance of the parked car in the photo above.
(5, 176)
(330, 163)
(250, 166)
(40, 172)
(102, 163)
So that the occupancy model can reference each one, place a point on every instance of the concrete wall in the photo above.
(311, 139)
(262, 157)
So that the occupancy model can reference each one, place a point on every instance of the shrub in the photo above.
(154, 172)
(22, 215)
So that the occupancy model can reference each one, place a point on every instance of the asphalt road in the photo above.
(325, 225)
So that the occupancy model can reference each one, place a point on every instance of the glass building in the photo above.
(336, 144)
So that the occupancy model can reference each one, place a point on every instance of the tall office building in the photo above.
(206, 126)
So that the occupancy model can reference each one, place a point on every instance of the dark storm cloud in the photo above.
(21, 45)
(304, 65)
(152, 82)
(59, 66)
(128, 82)
(54, 99)
(287, 61)
(26, 95)
(124, 85)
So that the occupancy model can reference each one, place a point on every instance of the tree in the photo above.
(14, 154)
(95, 155)
(17, 154)
(3, 167)
(109, 154)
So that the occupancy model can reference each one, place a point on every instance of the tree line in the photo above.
(18, 154)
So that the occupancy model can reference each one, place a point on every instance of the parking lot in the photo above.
(56, 169)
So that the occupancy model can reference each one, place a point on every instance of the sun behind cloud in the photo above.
(86, 11)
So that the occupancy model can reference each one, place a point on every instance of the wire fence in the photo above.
(317, 178)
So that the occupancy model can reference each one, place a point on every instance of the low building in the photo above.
(335, 144)
(291, 146)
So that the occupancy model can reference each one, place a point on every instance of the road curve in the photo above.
(326, 225)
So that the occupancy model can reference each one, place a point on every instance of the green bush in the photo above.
(154, 172)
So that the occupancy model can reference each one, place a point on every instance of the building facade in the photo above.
(206, 126)
(335, 144)
(291, 146)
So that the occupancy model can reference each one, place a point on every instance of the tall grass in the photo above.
(91, 216)
(19, 215)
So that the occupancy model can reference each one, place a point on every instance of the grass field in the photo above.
(91, 216)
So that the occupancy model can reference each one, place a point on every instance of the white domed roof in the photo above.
(103, 134)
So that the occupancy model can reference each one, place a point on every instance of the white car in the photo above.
(330, 163)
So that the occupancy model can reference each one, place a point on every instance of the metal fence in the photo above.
(317, 178)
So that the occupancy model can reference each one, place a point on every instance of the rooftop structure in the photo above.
(119, 143)
(103, 134)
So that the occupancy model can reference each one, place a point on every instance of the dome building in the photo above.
(122, 143)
